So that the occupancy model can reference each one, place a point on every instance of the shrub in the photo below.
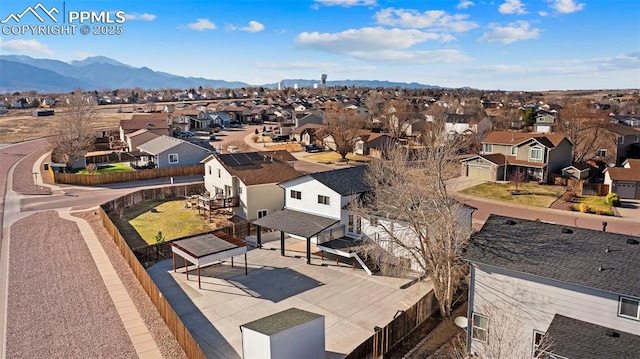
(613, 199)
(256, 132)
(584, 208)
(91, 167)
(254, 138)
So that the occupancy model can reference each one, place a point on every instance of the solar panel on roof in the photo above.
(240, 159)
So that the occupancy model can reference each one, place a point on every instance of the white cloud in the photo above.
(566, 6)
(297, 65)
(512, 7)
(346, 3)
(364, 39)
(543, 13)
(26, 46)
(137, 16)
(400, 57)
(81, 55)
(201, 25)
(517, 31)
(253, 26)
(437, 19)
(464, 4)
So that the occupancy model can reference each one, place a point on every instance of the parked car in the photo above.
(185, 134)
(212, 137)
(313, 148)
(281, 138)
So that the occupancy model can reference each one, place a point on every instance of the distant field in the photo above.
(20, 125)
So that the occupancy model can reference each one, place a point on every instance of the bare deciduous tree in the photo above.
(344, 129)
(416, 218)
(503, 339)
(398, 115)
(581, 129)
(74, 129)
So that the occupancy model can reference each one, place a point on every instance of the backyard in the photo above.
(172, 218)
(333, 157)
(532, 194)
(110, 168)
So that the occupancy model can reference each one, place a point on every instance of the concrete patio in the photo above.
(352, 302)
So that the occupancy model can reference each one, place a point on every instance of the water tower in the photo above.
(323, 79)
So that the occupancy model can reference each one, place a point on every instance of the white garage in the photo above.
(479, 172)
(626, 190)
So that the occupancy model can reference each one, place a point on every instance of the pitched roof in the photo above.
(515, 138)
(255, 168)
(345, 181)
(280, 155)
(308, 126)
(572, 338)
(146, 123)
(542, 249)
(295, 222)
(625, 174)
(495, 158)
(164, 143)
(621, 129)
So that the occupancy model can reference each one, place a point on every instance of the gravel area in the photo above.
(163, 337)
(58, 305)
(23, 177)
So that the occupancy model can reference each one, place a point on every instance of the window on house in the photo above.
(173, 158)
(350, 223)
(629, 308)
(636, 139)
(296, 194)
(487, 148)
(209, 169)
(514, 151)
(262, 213)
(621, 139)
(601, 152)
(480, 327)
(323, 199)
(358, 225)
(537, 340)
(219, 173)
(535, 153)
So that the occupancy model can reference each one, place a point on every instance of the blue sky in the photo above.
(502, 44)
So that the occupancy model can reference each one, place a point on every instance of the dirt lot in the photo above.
(20, 125)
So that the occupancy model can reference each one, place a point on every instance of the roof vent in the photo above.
(566, 231)
(632, 241)
(607, 250)
(612, 333)
(600, 268)
(510, 222)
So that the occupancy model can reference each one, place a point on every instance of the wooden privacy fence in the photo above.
(104, 178)
(184, 338)
(582, 188)
(383, 340)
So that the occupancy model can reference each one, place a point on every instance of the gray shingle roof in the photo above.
(345, 181)
(281, 321)
(297, 223)
(542, 249)
(575, 339)
(163, 143)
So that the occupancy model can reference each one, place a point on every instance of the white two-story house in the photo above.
(576, 289)
(317, 210)
(252, 177)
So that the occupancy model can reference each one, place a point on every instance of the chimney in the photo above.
(604, 226)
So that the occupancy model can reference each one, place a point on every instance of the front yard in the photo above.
(594, 204)
(532, 194)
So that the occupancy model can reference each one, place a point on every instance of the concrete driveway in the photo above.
(630, 208)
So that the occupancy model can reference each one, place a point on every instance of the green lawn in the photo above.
(110, 168)
(538, 195)
(597, 205)
(171, 218)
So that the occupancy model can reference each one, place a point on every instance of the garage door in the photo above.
(626, 190)
(479, 172)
